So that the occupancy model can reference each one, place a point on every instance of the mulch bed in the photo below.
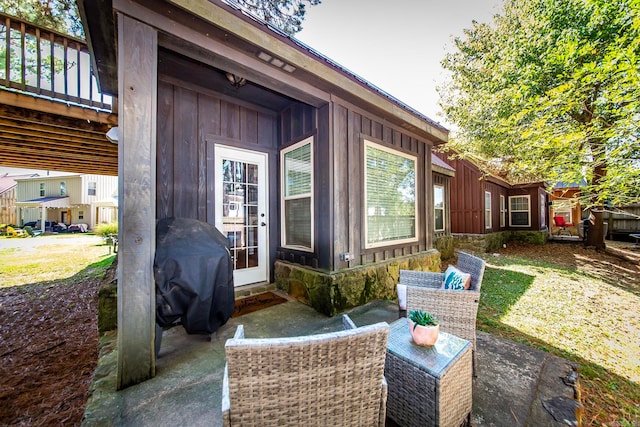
(48, 352)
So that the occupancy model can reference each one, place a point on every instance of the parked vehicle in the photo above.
(49, 226)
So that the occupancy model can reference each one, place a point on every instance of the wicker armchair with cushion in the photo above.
(456, 309)
(321, 380)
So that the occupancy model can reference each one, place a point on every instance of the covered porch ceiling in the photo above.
(41, 134)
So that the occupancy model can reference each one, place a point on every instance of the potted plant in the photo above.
(424, 327)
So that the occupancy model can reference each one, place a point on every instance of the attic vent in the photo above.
(276, 62)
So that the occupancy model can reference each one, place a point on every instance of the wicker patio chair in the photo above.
(332, 379)
(457, 310)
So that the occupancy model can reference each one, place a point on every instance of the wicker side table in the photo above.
(428, 386)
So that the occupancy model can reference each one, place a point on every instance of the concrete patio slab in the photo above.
(512, 381)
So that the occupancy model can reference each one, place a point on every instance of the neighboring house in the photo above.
(491, 208)
(8, 198)
(68, 199)
(565, 202)
(218, 111)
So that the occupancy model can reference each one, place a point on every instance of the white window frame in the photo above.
(63, 188)
(512, 211)
(284, 198)
(92, 185)
(503, 210)
(436, 208)
(365, 215)
(487, 210)
(43, 190)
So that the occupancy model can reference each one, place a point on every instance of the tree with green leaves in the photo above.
(550, 90)
(59, 15)
(287, 15)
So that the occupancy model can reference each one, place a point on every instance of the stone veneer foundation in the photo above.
(335, 292)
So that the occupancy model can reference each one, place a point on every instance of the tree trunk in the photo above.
(595, 234)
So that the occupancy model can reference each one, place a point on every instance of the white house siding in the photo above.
(106, 186)
(77, 189)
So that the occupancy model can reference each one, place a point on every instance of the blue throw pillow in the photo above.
(455, 279)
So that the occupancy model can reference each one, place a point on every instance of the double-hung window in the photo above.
(503, 211)
(63, 188)
(487, 209)
(91, 189)
(42, 189)
(390, 205)
(297, 194)
(438, 207)
(519, 211)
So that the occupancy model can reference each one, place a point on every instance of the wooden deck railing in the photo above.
(48, 64)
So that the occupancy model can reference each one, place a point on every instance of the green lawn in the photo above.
(580, 305)
(48, 258)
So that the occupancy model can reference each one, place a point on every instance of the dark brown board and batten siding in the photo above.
(496, 191)
(299, 122)
(192, 119)
(190, 123)
(538, 205)
(351, 127)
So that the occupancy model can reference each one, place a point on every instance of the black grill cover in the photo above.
(194, 275)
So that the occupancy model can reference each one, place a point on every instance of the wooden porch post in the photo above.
(137, 95)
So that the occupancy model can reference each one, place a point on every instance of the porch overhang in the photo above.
(310, 66)
(46, 202)
(106, 203)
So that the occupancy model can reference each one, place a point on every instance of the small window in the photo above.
(390, 214)
(543, 210)
(487, 209)
(80, 214)
(438, 207)
(519, 211)
(92, 189)
(297, 194)
(42, 190)
(63, 188)
(503, 211)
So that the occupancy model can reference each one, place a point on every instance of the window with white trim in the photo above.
(91, 189)
(42, 189)
(63, 188)
(390, 207)
(520, 211)
(563, 208)
(503, 211)
(297, 195)
(438, 207)
(487, 209)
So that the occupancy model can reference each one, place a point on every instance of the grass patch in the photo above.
(576, 309)
(49, 258)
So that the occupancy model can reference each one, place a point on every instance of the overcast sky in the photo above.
(396, 45)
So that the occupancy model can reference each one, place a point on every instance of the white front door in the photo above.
(241, 211)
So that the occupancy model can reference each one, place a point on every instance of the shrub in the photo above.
(106, 229)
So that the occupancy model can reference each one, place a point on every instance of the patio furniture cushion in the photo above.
(455, 279)
(322, 380)
(402, 296)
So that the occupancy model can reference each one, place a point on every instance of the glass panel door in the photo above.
(241, 213)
